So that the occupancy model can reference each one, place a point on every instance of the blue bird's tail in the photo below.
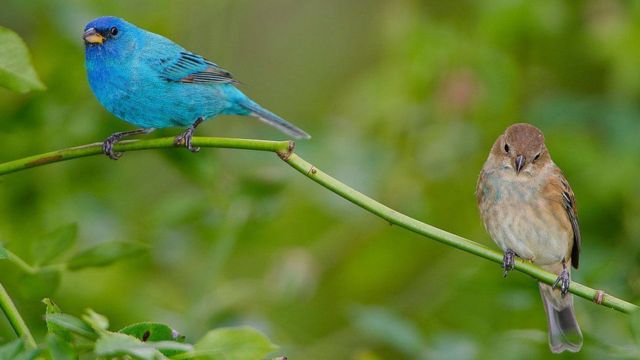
(274, 120)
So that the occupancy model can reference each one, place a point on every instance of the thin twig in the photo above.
(284, 149)
(16, 321)
(23, 265)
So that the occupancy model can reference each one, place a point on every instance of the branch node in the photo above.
(284, 155)
(599, 297)
(312, 170)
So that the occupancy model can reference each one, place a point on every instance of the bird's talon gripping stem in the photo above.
(564, 280)
(107, 145)
(186, 137)
(508, 261)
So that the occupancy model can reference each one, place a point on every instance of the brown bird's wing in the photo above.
(569, 201)
(480, 187)
(562, 193)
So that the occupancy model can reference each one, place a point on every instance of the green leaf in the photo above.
(237, 343)
(155, 332)
(104, 254)
(55, 243)
(15, 350)
(150, 331)
(170, 348)
(16, 72)
(59, 349)
(52, 308)
(97, 321)
(28, 354)
(10, 350)
(3, 252)
(72, 324)
(116, 344)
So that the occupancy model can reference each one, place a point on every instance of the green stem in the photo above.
(96, 149)
(284, 149)
(21, 263)
(445, 237)
(16, 321)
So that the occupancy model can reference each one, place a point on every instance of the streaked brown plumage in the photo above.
(529, 210)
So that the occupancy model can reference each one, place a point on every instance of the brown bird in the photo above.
(529, 210)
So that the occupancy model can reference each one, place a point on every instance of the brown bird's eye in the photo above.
(537, 157)
(506, 148)
(113, 31)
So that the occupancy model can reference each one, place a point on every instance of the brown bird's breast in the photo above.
(519, 215)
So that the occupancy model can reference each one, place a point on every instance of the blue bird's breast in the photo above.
(136, 93)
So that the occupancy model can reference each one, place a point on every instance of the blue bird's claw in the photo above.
(107, 147)
(186, 137)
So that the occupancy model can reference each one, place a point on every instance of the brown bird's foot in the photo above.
(107, 145)
(185, 138)
(563, 281)
(508, 261)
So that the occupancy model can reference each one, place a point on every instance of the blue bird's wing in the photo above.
(190, 68)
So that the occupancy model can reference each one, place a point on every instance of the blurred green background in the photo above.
(403, 99)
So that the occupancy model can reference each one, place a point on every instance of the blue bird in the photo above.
(151, 82)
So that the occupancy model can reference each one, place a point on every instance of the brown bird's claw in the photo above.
(508, 261)
(562, 282)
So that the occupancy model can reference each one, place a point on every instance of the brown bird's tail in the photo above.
(564, 332)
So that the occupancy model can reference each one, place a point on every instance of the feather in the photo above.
(569, 202)
(190, 68)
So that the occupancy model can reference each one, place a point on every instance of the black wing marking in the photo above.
(194, 69)
(569, 202)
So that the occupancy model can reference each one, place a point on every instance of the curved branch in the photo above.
(284, 149)
(135, 145)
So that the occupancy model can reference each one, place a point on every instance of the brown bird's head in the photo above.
(521, 148)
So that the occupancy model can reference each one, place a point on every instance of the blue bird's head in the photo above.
(109, 35)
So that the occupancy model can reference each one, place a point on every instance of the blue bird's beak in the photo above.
(91, 36)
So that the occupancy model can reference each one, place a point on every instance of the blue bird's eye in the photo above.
(113, 31)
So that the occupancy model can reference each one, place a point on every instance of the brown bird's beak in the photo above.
(91, 36)
(519, 163)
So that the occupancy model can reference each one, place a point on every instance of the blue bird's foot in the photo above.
(564, 280)
(107, 148)
(185, 138)
(107, 145)
(508, 261)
